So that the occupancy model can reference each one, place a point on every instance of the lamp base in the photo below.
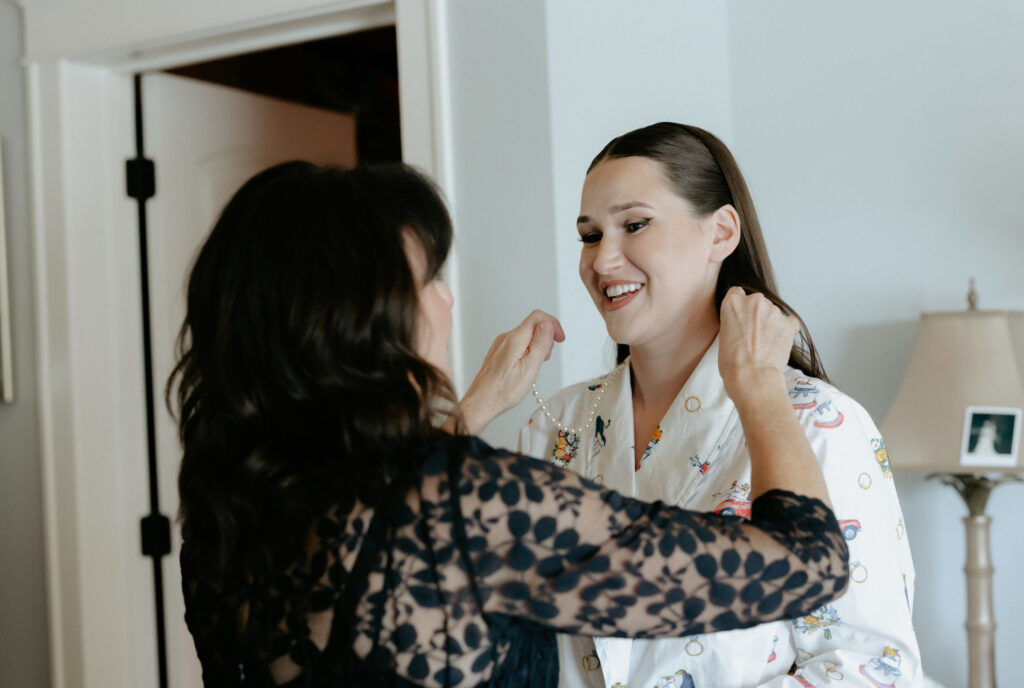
(981, 625)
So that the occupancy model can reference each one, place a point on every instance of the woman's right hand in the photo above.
(510, 367)
(755, 341)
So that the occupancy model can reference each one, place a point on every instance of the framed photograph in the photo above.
(991, 437)
(6, 383)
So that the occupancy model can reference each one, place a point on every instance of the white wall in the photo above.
(503, 210)
(24, 658)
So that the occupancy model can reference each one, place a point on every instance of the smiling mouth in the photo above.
(620, 292)
(619, 295)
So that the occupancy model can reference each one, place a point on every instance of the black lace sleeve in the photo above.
(462, 576)
(548, 545)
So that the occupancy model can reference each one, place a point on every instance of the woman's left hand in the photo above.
(754, 345)
(510, 367)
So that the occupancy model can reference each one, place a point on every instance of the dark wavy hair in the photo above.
(700, 169)
(298, 384)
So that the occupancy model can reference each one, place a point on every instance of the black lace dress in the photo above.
(467, 586)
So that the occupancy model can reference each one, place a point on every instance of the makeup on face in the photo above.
(645, 257)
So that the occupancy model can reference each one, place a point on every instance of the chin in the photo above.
(619, 333)
(444, 365)
(622, 341)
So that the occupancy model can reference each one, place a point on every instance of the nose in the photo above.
(607, 255)
(446, 294)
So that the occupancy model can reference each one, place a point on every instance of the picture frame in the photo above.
(6, 366)
(991, 437)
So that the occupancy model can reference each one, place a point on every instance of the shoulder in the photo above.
(470, 449)
(841, 432)
(822, 406)
(574, 392)
(474, 461)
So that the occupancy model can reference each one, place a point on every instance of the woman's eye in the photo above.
(590, 237)
(636, 226)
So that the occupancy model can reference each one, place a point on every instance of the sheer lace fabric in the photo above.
(458, 588)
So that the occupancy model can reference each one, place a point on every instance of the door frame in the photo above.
(88, 327)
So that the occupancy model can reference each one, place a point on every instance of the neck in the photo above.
(660, 369)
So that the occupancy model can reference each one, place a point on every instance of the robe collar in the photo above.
(699, 426)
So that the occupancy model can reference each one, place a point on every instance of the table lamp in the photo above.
(957, 416)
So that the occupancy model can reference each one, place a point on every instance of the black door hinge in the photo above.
(140, 174)
(156, 535)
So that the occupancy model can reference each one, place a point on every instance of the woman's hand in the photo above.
(754, 345)
(510, 367)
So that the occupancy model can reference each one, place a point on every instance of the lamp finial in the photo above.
(972, 297)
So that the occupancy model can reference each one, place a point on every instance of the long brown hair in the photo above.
(700, 169)
(298, 385)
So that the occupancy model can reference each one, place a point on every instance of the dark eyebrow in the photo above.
(582, 219)
(627, 205)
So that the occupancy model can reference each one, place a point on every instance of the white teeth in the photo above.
(620, 289)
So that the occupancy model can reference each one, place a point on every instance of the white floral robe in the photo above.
(698, 459)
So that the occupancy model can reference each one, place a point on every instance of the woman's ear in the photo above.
(725, 227)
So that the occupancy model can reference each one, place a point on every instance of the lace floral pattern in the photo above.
(463, 587)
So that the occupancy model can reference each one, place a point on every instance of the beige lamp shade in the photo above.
(964, 386)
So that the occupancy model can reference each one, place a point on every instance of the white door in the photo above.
(206, 140)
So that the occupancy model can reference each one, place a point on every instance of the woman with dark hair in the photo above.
(339, 531)
(668, 228)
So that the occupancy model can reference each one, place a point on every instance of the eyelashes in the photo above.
(628, 227)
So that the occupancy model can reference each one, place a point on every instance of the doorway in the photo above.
(207, 127)
(356, 74)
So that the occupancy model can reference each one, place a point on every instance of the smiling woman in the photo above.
(667, 229)
(696, 179)
(655, 253)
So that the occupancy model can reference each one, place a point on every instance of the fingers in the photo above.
(735, 298)
(756, 308)
(537, 317)
(755, 334)
(734, 293)
(756, 304)
(542, 343)
(545, 330)
(549, 330)
(537, 332)
(521, 351)
(794, 324)
(511, 364)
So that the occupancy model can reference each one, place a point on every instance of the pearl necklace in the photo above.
(559, 424)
